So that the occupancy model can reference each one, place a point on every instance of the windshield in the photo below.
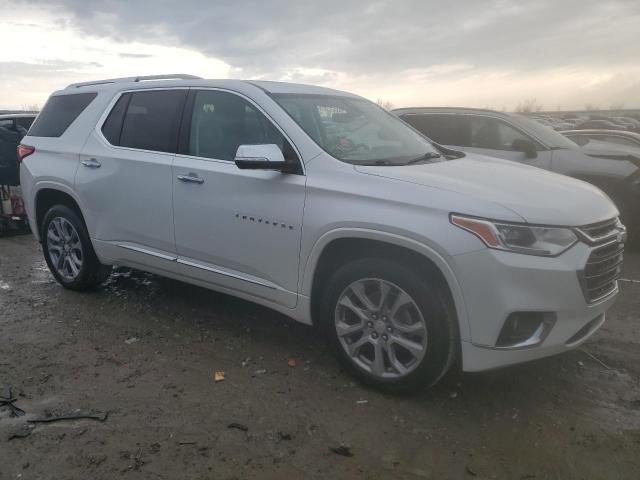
(356, 130)
(545, 134)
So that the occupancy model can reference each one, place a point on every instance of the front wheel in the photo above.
(68, 250)
(391, 328)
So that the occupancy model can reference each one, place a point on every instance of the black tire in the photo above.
(92, 272)
(430, 298)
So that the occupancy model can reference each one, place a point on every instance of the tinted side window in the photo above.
(221, 122)
(112, 128)
(25, 122)
(59, 112)
(151, 120)
(493, 134)
(441, 128)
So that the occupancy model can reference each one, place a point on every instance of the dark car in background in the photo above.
(12, 128)
(521, 139)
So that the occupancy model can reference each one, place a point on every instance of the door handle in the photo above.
(191, 178)
(91, 163)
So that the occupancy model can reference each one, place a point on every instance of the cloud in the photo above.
(363, 37)
(134, 55)
(482, 52)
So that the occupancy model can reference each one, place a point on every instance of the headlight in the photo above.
(530, 240)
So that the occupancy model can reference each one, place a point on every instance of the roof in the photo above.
(18, 115)
(184, 80)
(602, 131)
(418, 110)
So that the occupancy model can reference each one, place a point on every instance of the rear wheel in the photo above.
(390, 327)
(68, 250)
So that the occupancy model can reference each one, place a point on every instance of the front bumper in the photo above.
(496, 284)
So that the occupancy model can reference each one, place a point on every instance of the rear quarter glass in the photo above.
(59, 113)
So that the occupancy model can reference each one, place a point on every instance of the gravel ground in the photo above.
(144, 349)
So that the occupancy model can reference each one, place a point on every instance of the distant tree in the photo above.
(387, 105)
(616, 106)
(31, 107)
(589, 107)
(530, 105)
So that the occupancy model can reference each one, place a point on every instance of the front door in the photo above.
(236, 229)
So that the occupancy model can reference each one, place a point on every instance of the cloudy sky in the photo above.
(482, 53)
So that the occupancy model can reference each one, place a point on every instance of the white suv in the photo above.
(321, 205)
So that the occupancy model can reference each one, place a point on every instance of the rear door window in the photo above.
(59, 113)
(147, 120)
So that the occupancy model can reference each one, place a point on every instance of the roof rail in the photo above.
(171, 76)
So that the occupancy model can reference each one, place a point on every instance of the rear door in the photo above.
(495, 138)
(125, 178)
(238, 229)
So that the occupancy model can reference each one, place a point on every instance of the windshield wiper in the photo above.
(427, 156)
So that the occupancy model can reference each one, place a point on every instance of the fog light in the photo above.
(525, 329)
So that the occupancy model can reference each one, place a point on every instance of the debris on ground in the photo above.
(291, 363)
(238, 426)
(342, 450)
(470, 470)
(131, 340)
(453, 394)
(596, 359)
(218, 376)
(580, 363)
(101, 417)
(23, 432)
(284, 436)
(8, 400)
(362, 402)
(262, 371)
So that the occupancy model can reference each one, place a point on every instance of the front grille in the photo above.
(599, 278)
(601, 231)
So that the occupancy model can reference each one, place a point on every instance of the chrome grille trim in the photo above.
(599, 278)
(601, 232)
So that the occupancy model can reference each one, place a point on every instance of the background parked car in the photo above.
(590, 140)
(516, 137)
(599, 124)
(12, 128)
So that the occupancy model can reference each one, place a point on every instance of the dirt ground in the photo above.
(144, 350)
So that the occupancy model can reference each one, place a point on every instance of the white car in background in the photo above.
(594, 141)
(321, 205)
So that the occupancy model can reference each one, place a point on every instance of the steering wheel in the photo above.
(344, 145)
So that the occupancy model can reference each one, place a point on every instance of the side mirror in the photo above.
(260, 157)
(580, 140)
(525, 146)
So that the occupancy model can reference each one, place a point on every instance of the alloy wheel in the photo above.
(64, 248)
(381, 328)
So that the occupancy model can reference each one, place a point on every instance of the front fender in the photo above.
(309, 266)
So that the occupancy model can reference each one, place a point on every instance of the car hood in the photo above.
(538, 196)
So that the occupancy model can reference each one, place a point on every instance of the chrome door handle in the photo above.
(191, 178)
(91, 163)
